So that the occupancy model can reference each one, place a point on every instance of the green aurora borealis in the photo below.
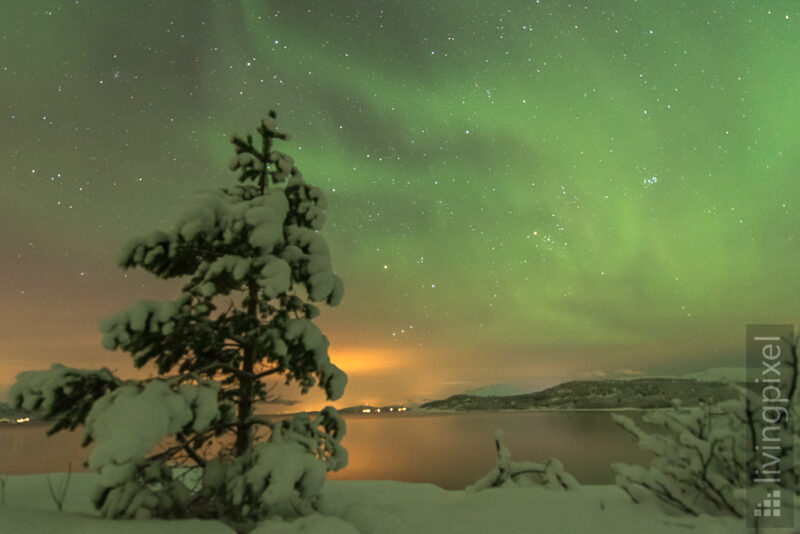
(519, 192)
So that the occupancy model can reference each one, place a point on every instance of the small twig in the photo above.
(62, 490)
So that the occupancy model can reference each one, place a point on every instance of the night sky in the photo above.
(519, 192)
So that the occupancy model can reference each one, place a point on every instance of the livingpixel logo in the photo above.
(770, 506)
(771, 383)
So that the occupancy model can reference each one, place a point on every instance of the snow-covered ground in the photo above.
(350, 507)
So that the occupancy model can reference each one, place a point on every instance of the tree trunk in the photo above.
(244, 430)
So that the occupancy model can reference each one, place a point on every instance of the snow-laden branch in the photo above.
(510, 473)
(63, 394)
(698, 459)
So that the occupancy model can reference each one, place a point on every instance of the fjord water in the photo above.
(455, 450)
(449, 450)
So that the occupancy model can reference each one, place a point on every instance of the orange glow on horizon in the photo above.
(362, 360)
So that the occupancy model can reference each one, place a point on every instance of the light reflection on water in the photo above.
(25, 449)
(450, 450)
(455, 450)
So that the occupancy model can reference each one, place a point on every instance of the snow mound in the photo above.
(306, 525)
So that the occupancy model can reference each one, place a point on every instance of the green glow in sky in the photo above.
(520, 194)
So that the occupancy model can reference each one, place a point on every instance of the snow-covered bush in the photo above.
(702, 456)
(254, 265)
(699, 460)
(282, 476)
(508, 473)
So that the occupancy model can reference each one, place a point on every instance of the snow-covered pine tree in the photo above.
(255, 264)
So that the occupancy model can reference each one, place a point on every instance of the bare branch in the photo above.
(267, 373)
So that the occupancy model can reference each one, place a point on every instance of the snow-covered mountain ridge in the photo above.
(640, 393)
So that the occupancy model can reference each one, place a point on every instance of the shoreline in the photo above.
(413, 412)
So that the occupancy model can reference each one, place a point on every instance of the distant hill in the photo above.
(720, 374)
(640, 393)
(494, 390)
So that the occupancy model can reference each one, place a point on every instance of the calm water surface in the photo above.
(450, 450)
